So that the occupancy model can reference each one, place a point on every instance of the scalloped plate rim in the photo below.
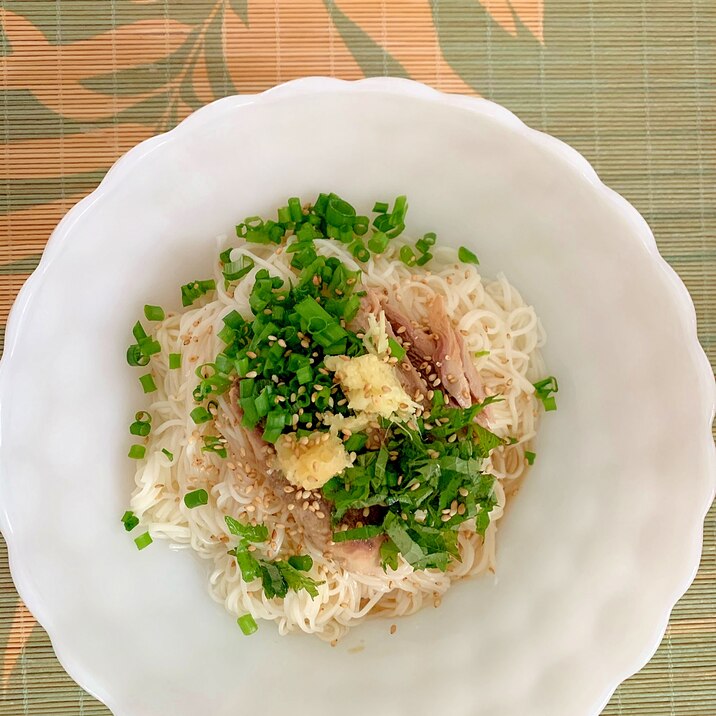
(130, 161)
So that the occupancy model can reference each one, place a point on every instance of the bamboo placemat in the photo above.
(629, 83)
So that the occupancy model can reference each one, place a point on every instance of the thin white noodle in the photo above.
(490, 316)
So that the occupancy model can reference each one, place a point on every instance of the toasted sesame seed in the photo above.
(445, 518)
(393, 628)
(251, 374)
(461, 509)
(436, 383)
(414, 486)
(288, 489)
(251, 354)
(463, 492)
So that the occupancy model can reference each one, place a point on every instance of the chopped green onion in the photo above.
(148, 384)
(149, 347)
(359, 251)
(407, 256)
(143, 541)
(466, 256)
(138, 332)
(339, 212)
(301, 562)
(200, 415)
(135, 357)
(194, 290)
(214, 444)
(530, 457)
(543, 391)
(174, 361)
(430, 238)
(380, 207)
(130, 520)
(294, 209)
(170, 455)
(136, 452)
(424, 259)
(479, 354)
(154, 313)
(247, 624)
(378, 243)
(196, 498)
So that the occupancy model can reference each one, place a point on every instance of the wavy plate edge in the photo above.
(390, 85)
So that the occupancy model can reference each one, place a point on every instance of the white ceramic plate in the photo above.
(600, 543)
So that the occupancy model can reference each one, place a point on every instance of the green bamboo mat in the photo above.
(629, 83)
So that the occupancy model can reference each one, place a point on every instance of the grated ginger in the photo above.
(311, 462)
(371, 386)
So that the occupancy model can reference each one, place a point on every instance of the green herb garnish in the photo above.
(129, 520)
(196, 498)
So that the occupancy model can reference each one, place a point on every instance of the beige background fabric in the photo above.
(629, 83)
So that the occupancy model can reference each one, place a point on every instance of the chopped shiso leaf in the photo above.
(196, 498)
(190, 292)
(130, 520)
(144, 540)
(247, 624)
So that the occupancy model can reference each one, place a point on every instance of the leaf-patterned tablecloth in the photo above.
(629, 83)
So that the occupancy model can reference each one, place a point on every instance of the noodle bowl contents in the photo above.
(335, 419)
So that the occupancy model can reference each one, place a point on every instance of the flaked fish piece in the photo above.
(455, 367)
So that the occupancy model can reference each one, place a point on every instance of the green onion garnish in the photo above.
(170, 455)
(196, 289)
(135, 357)
(154, 313)
(378, 243)
(142, 424)
(479, 354)
(247, 624)
(144, 540)
(174, 361)
(530, 457)
(200, 415)
(466, 256)
(136, 452)
(301, 562)
(543, 391)
(407, 256)
(130, 520)
(196, 498)
(148, 384)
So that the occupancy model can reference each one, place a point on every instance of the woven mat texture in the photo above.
(629, 83)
